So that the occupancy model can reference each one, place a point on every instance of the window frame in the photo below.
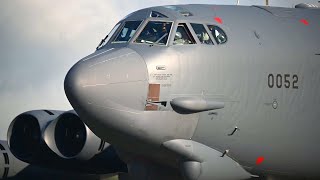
(210, 33)
(205, 26)
(117, 33)
(145, 24)
(107, 38)
(192, 33)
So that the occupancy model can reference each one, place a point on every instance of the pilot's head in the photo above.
(178, 35)
(164, 27)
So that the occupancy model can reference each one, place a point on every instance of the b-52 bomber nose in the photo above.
(106, 84)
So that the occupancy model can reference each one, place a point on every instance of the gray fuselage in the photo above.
(266, 76)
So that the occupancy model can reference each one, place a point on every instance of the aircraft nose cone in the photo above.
(73, 83)
(116, 77)
(100, 86)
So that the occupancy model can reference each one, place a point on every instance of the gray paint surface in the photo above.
(227, 116)
(41, 41)
(278, 124)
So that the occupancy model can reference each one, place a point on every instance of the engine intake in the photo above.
(25, 134)
(70, 138)
(60, 140)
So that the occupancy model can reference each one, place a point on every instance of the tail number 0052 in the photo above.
(283, 80)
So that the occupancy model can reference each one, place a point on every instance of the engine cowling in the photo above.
(60, 140)
(70, 138)
(25, 135)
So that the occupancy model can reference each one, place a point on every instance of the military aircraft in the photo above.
(192, 92)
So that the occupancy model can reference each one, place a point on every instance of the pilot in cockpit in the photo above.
(163, 34)
(178, 38)
(155, 32)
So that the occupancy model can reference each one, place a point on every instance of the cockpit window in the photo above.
(218, 34)
(156, 14)
(202, 34)
(105, 40)
(128, 30)
(155, 32)
(180, 10)
(183, 35)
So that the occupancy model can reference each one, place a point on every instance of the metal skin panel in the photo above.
(276, 123)
(12, 164)
(200, 162)
(101, 75)
(282, 135)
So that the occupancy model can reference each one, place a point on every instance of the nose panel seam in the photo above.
(93, 85)
(145, 63)
(104, 61)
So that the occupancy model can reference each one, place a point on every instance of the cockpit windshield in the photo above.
(155, 32)
(105, 40)
(128, 30)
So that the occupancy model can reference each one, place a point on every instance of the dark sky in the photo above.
(41, 39)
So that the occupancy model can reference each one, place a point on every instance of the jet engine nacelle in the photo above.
(25, 135)
(60, 140)
(70, 138)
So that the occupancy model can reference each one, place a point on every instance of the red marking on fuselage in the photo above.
(304, 21)
(218, 19)
(259, 160)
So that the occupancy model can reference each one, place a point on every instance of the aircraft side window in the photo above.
(157, 15)
(218, 34)
(183, 35)
(127, 31)
(155, 32)
(202, 34)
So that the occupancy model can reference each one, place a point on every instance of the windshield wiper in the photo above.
(101, 42)
(163, 36)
